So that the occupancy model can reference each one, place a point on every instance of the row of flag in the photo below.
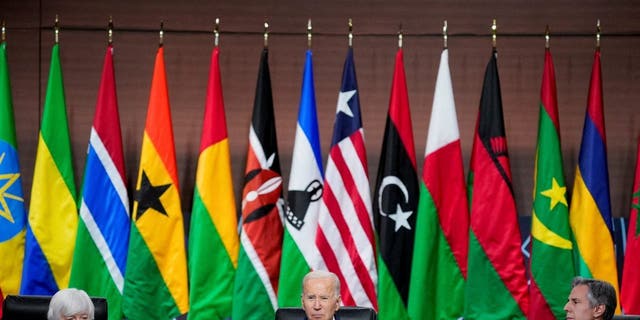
(437, 246)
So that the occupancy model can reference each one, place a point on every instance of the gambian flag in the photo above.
(551, 259)
(442, 229)
(590, 211)
(103, 230)
(13, 217)
(299, 251)
(53, 214)
(258, 271)
(630, 290)
(156, 274)
(396, 201)
(213, 239)
(495, 264)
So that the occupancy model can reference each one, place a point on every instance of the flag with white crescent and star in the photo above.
(395, 201)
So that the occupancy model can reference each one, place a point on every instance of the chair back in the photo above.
(344, 313)
(36, 307)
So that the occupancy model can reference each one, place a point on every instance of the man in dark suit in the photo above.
(591, 299)
(320, 295)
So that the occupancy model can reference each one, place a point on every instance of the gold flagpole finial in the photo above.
(494, 31)
(400, 36)
(547, 36)
(350, 33)
(309, 35)
(56, 30)
(598, 30)
(4, 32)
(216, 33)
(161, 34)
(110, 31)
(266, 33)
(444, 34)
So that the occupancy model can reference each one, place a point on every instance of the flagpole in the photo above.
(216, 33)
(161, 34)
(350, 33)
(266, 33)
(547, 37)
(444, 34)
(400, 36)
(309, 34)
(4, 32)
(110, 31)
(494, 31)
(598, 30)
(56, 30)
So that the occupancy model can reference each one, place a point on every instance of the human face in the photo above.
(77, 316)
(319, 300)
(578, 306)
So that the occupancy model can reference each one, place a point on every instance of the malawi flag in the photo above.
(345, 236)
(299, 251)
(53, 214)
(442, 227)
(213, 238)
(13, 217)
(100, 256)
(258, 271)
(396, 201)
(551, 259)
(156, 274)
(590, 211)
(495, 263)
(630, 290)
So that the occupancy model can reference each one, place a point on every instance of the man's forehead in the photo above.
(580, 291)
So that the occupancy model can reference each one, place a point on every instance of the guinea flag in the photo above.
(496, 282)
(156, 275)
(396, 201)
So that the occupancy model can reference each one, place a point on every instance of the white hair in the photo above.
(68, 302)
(323, 274)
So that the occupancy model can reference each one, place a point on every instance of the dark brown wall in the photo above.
(188, 45)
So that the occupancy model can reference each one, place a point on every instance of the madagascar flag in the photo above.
(496, 282)
(156, 274)
(213, 238)
(396, 201)
(551, 256)
(630, 290)
(256, 283)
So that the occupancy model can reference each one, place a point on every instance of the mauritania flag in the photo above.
(442, 229)
(551, 249)
(495, 261)
(12, 214)
(590, 211)
(213, 239)
(299, 251)
(345, 236)
(258, 271)
(396, 201)
(53, 214)
(156, 274)
(630, 290)
(100, 256)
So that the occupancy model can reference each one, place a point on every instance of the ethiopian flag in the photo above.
(156, 274)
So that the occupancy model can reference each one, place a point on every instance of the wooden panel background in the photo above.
(188, 43)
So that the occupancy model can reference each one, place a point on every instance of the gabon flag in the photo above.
(13, 216)
(495, 264)
(213, 238)
(630, 290)
(256, 284)
(102, 240)
(156, 273)
(440, 251)
(590, 209)
(396, 201)
(551, 261)
(53, 213)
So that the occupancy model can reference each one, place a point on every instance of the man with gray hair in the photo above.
(590, 299)
(320, 295)
(70, 304)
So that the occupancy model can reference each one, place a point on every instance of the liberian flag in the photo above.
(495, 264)
(299, 251)
(551, 259)
(590, 210)
(156, 276)
(102, 241)
(630, 290)
(345, 237)
(396, 201)
(213, 238)
(53, 214)
(258, 271)
(442, 230)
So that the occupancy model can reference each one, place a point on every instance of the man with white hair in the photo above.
(320, 295)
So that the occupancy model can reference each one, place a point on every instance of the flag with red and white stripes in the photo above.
(345, 234)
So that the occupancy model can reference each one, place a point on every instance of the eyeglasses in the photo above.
(313, 298)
